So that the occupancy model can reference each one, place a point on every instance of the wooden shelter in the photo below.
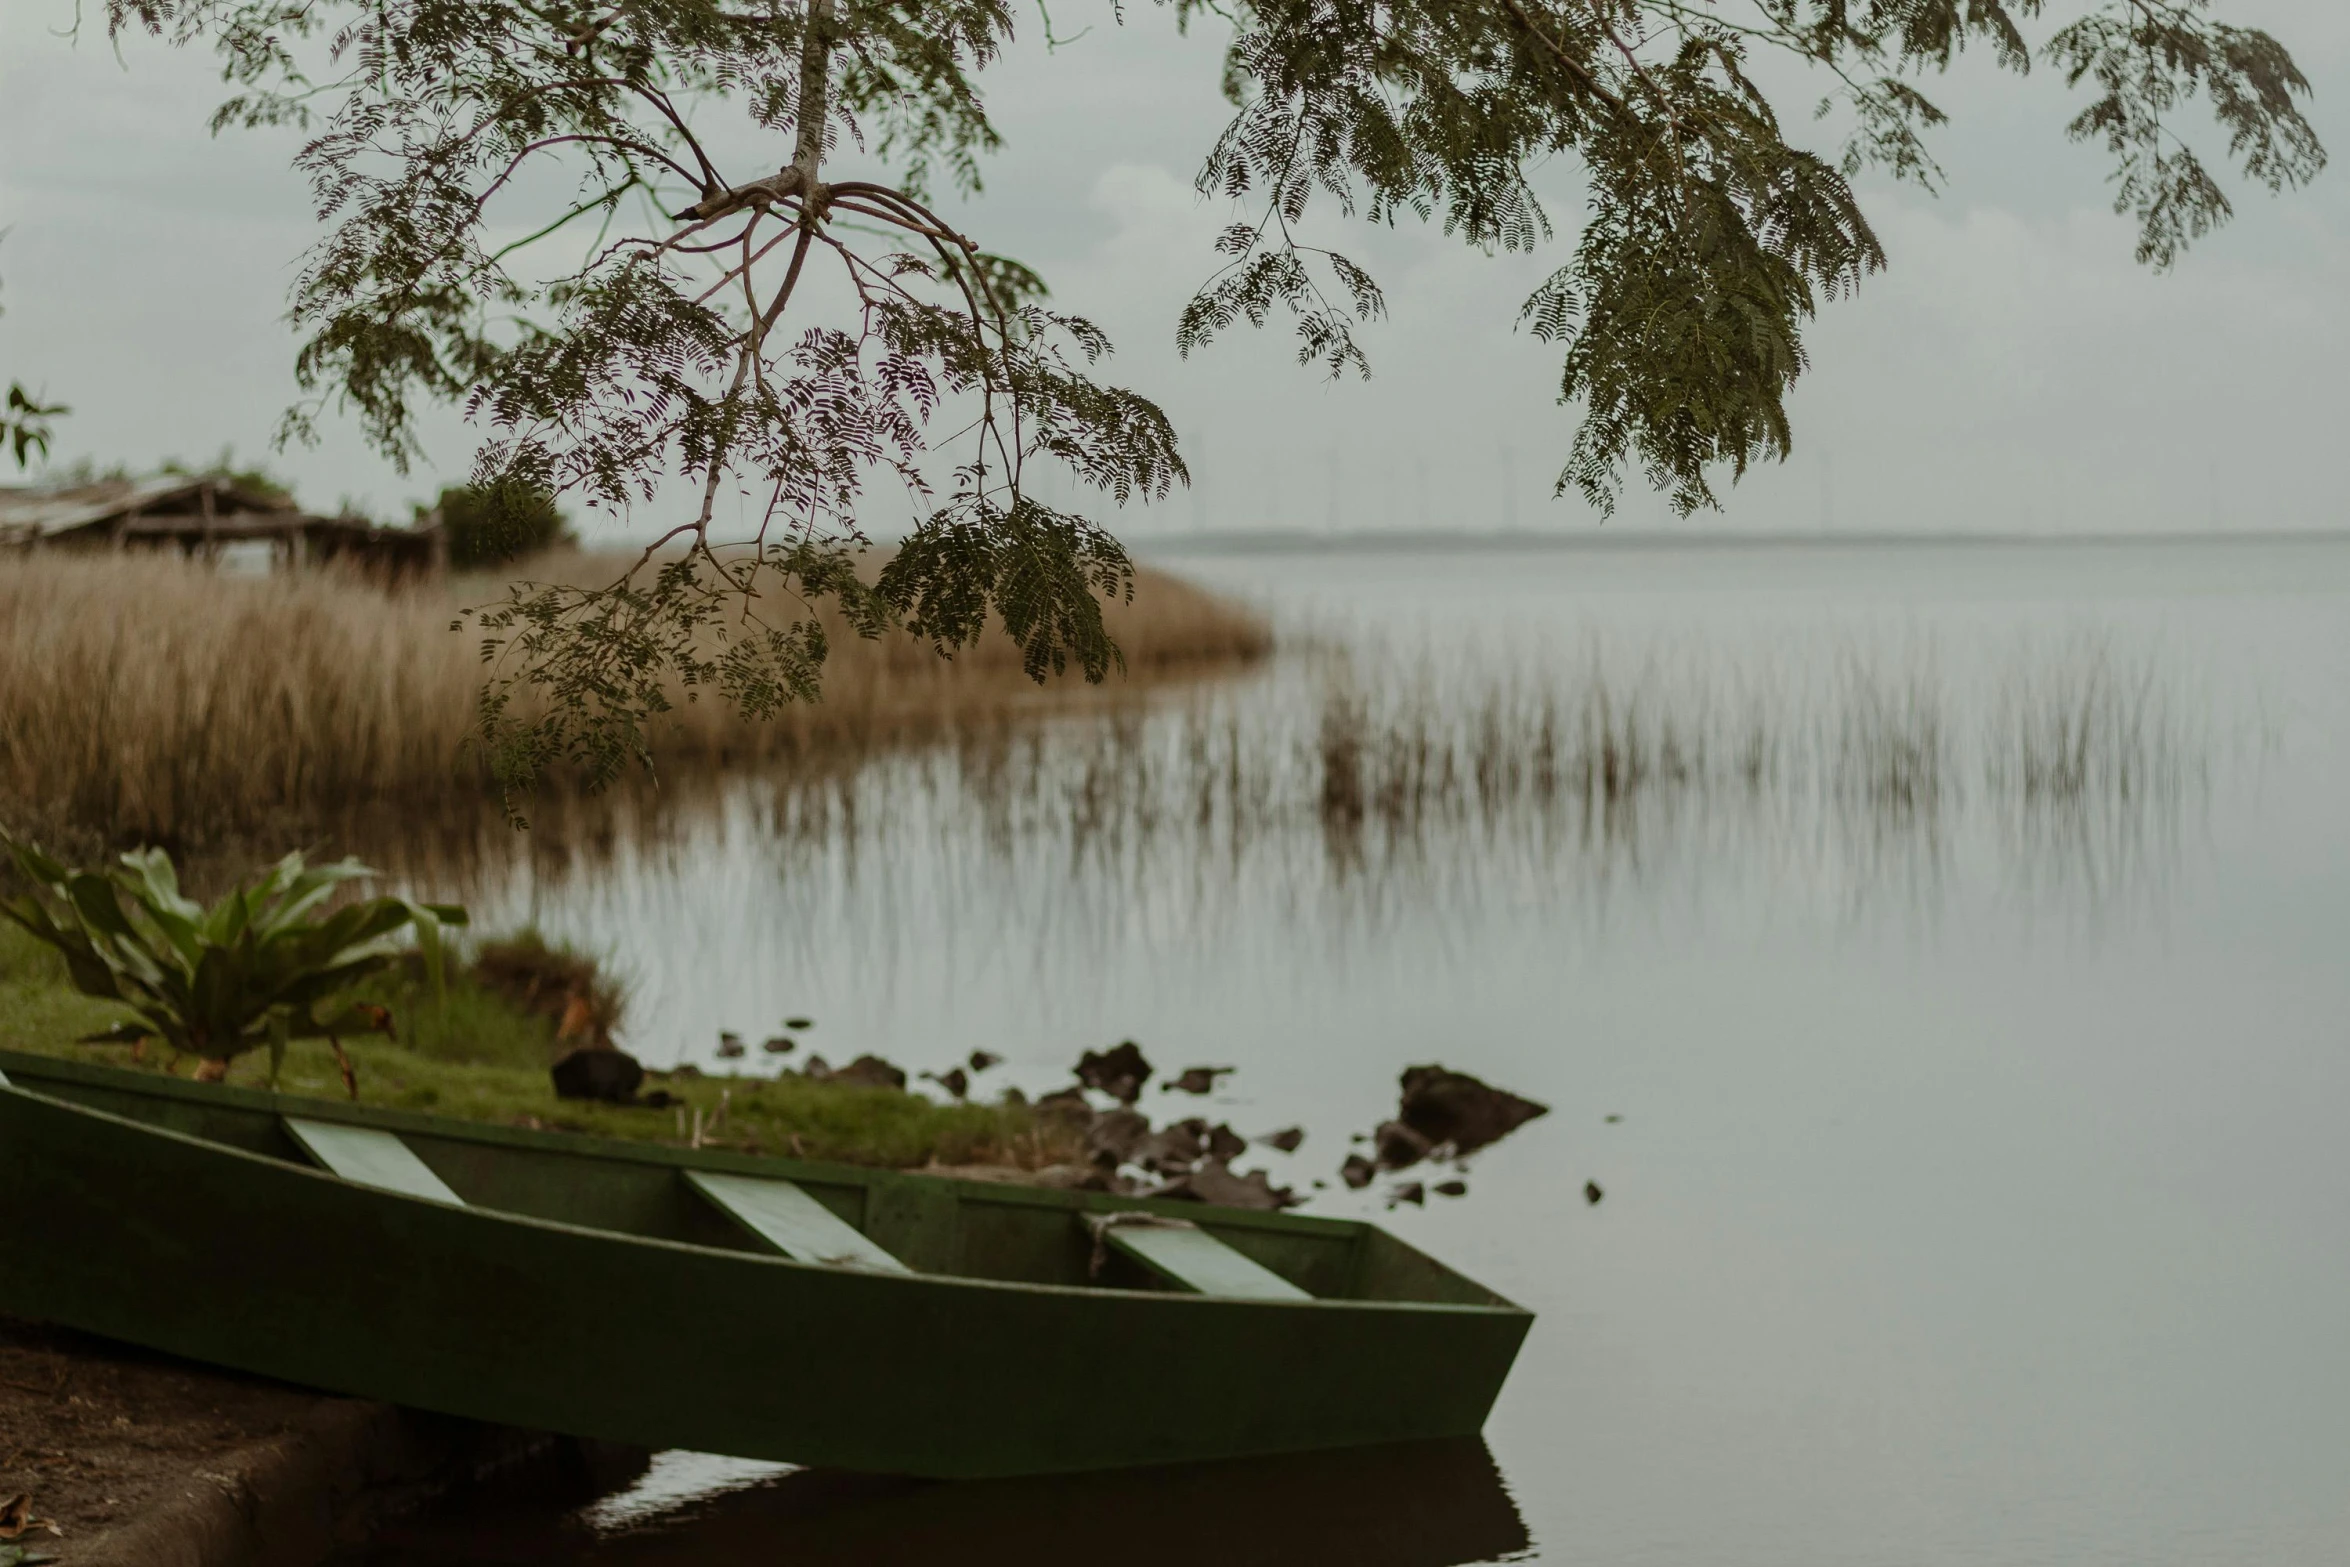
(201, 515)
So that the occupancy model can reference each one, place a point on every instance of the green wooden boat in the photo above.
(766, 1308)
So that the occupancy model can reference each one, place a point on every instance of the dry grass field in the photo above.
(147, 698)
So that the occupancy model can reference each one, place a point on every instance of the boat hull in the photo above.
(122, 1228)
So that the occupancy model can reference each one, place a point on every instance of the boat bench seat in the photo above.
(370, 1158)
(1190, 1258)
(794, 1223)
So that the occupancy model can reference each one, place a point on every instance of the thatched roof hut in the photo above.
(202, 515)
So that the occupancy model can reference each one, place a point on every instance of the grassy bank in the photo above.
(485, 1059)
(150, 699)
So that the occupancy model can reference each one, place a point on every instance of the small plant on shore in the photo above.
(568, 987)
(261, 967)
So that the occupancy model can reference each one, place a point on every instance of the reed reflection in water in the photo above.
(1339, 789)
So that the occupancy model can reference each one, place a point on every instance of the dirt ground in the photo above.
(92, 1429)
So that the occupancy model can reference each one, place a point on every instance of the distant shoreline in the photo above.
(1298, 541)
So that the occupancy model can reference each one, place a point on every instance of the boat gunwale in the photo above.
(589, 1146)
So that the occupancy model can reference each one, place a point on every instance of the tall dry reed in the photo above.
(1387, 780)
(153, 699)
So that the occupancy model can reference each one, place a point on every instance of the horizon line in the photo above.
(1303, 540)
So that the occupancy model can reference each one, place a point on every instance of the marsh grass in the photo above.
(1397, 764)
(2076, 758)
(1889, 740)
(1403, 767)
(1332, 791)
(152, 700)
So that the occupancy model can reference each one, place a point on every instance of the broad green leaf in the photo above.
(258, 968)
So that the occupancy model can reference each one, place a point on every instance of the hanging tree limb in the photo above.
(690, 343)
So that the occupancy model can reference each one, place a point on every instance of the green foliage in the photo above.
(554, 979)
(24, 424)
(251, 477)
(39, 1006)
(464, 1021)
(24, 421)
(476, 1052)
(506, 1003)
(261, 967)
(1710, 238)
(491, 527)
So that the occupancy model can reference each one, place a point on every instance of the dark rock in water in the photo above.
(1410, 1191)
(1444, 1106)
(981, 1060)
(1451, 1188)
(612, 1076)
(870, 1072)
(1015, 1099)
(1067, 1104)
(954, 1082)
(1119, 1072)
(1171, 1150)
(730, 1046)
(1226, 1144)
(1116, 1136)
(780, 1045)
(1195, 1080)
(658, 1099)
(1592, 1193)
(1399, 1146)
(1213, 1182)
(1287, 1139)
(1357, 1172)
(1613, 1120)
(816, 1069)
(799, 1025)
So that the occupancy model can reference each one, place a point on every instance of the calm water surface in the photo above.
(1981, 1189)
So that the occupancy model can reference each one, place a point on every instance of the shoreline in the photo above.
(144, 1460)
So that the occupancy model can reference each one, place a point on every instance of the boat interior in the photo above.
(826, 1214)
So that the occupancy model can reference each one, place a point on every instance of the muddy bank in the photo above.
(146, 1461)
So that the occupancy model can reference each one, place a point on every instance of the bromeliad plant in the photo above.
(262, 967)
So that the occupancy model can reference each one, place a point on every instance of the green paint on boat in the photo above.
(594, 1287)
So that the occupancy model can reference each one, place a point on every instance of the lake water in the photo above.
(1981, 1185)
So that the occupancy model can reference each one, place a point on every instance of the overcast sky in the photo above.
(2012, 370)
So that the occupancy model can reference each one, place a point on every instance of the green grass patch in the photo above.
(39, 1008)
(481, 1057)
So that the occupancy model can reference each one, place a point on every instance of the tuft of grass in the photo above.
(469, 1024)
(505, 981)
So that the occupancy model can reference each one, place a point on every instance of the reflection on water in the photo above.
(1424, 1505)
(1345, 790)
